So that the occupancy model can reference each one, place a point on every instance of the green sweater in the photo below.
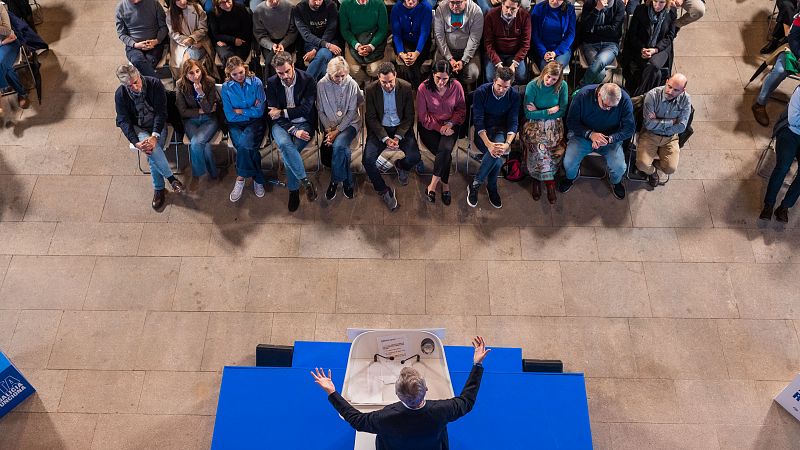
(355, 19)
(544, 97)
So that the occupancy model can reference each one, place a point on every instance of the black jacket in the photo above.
(638, 35)
(305, 96)
(126, 108)
(400, 428)
(594, 27)
(320, 27)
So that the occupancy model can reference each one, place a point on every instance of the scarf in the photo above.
(656, 22)
(145, 114)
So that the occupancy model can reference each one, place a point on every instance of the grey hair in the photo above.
(410, 387)
(336, 65)
(127, 73)
(611, 94)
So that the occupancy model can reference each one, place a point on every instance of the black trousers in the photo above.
(442, 147)
(645, 74)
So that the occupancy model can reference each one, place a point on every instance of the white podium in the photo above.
(375, 361)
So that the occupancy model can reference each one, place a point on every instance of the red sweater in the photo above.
(501, 38)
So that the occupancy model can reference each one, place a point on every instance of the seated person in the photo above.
(553, 30)
(648, 45)
(142, 27)
(780, 31)
(777, 75)
(291, 94)
(495, 115)
(411, 34)
(317, 22)
(390, 126)
(365, 27)
(543, 134)
(599, 120)
(231, 30)
(197, 101)
(413, 423)
(458, 28)
(338, 99)
(486, 5)
(244, 101)
(441, 110)
(693, 10)
(787, 150)
(600, 27)
(665, 115)
(507, 39)
(188, 33)
(274, 30)
(141, 104)
(9, 51)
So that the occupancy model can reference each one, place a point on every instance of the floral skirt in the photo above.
(543, 156)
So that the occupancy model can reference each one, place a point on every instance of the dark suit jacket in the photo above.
(404, 97)
(305, 96)
(638, 34)
(400, 428)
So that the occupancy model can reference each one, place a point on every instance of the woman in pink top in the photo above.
(441, 108)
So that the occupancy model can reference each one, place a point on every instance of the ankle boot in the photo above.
(551, 192)
(536, 190)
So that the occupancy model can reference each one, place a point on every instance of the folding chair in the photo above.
(170, 141)
(24, 66)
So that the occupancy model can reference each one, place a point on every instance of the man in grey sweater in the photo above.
(458, 28)
(274, 30)
(666, 115)
(142, 27)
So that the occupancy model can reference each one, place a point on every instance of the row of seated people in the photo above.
(366, 35)
(600, 118)
(784, 61)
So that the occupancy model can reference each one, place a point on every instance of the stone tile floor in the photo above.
(681, 309)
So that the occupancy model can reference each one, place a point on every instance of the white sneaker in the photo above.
(258, 189)
(236, 193)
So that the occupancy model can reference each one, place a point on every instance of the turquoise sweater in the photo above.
(544, 97)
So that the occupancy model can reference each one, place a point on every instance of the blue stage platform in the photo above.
(282, 408)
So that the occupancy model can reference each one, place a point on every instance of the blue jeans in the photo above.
(519, 74)
(8, 76)
(787, 149)
(159, 166)
(485, 7)
(490, 166)
(773, 79)
(340, 162)
(290, 148)
(319, 65)
(247, 137)
(561, 59)
(200, 130)
(598, 55)
(578, 148)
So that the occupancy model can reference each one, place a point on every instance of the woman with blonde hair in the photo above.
(543, 134)
(648, 45)
(197, 101)
(244, 100)
(188, 34)
(338, 99)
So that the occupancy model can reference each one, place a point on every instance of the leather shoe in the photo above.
(782, 214)
(158, 199)
(766, 212)
(760, 114)
(536, 190)
(770, 47)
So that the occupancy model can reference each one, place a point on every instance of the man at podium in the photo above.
(412, 423)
